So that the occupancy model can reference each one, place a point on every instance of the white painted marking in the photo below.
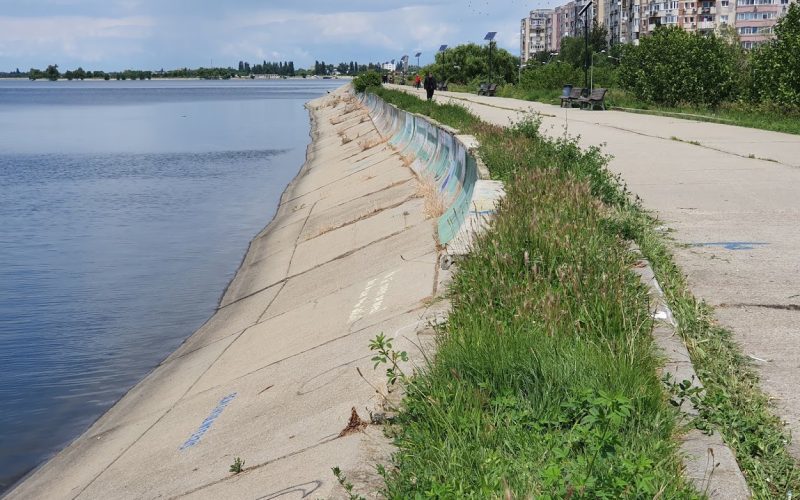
(378, 302)
(360, 309)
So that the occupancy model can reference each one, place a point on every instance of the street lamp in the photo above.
(591, 84)
(586, 42)
(443, 50)
(417, 56)
(490, 38)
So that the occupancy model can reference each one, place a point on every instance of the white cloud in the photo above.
(79, 37)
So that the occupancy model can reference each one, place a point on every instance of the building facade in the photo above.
(543, 29)
(627, 21)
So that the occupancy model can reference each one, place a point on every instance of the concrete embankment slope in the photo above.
(271, 377)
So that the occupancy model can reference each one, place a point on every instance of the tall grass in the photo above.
(565, 219)
(544, 381)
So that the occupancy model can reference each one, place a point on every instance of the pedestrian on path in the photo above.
(430, 84)
(417, 81)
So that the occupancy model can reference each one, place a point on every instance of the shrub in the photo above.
(365, 80)
(776, 65)
(673, 66)
(551, 76)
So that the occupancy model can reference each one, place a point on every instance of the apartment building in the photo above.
(537, 33)
(753, 20)
(629, 20)
(543, 29)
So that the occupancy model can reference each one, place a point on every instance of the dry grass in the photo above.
(345, 139)
(371, 143)
(435, 204)
(336, 120)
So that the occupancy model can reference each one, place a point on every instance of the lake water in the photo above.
(125, 209)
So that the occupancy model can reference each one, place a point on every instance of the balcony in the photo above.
(706, 25)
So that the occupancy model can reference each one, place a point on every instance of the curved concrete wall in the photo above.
(438, 155)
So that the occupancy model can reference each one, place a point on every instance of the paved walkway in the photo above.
(732, 196)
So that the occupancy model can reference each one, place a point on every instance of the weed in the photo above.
(370, 143)
(237, 466)
(347, 485)
(435, 204)
(388, 356)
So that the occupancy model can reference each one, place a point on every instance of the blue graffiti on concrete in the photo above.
(732, 245)
(206, 425)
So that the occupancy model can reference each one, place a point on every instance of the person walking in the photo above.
(417, 81)
(429, 84)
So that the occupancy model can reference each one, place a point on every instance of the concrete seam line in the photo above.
(663, 320)
(323, 344)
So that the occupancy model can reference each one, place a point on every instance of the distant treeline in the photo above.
(244, 70)
(343, 68)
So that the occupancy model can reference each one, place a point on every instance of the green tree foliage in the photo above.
(553, 75)
(466, 63)
(365, 80)
(673, 66)
(51, 73)
(776, 65)
(573, 48)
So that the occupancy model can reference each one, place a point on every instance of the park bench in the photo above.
(492, 90)
(596, 98)
(571, 97)
(484, 88)
(442, 86)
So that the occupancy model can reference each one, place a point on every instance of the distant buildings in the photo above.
(629, 20)
(543, 29)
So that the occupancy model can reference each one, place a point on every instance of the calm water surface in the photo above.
(125, 209)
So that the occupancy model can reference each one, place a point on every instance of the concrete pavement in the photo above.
(731, 195)
(272, 376)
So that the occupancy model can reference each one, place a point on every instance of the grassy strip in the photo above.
(741, 114)
(734, 403)
(544, 382)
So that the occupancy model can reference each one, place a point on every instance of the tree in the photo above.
(470, 62)
(775, 69)
(52, 73)
(673, 66)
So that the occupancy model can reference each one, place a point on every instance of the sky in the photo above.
(114, 35)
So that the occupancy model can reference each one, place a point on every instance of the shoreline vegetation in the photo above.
(549, 337)
(271, 70)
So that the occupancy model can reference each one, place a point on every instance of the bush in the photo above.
(553, 75)
(365, 80)
(673, 66)
(776, 65)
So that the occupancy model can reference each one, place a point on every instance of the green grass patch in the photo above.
(544, 380)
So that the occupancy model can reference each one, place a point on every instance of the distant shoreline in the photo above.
(25, 78)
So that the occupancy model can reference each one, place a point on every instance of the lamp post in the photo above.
(591, 84)
(443, 50)
(585, 15)
(490, 38)
(417, 56)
